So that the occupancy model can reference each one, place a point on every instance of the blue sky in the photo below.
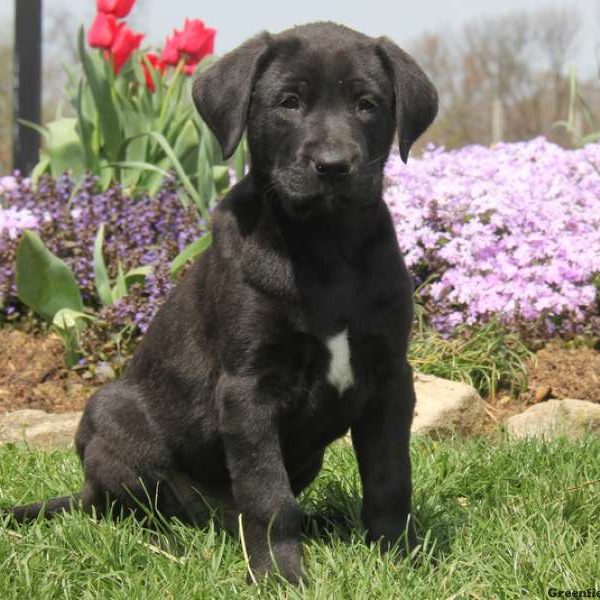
(400, 19)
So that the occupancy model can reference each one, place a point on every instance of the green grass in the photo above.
(500, 520)
(488, 357)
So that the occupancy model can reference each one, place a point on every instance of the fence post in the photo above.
(27, 83)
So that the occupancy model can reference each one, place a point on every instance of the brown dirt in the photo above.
(557, 372)
(33, 374)
(565, 373)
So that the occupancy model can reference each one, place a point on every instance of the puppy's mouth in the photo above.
(305, 197)
(307, 207)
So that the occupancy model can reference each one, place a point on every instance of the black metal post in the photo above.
(27, 83)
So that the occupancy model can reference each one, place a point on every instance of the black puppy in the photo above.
(293, 327)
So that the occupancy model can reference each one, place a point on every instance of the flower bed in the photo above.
(146, 231)
(511, 231)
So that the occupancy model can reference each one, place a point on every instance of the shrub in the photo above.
(148, 231)
(509, 232)
(135, 119)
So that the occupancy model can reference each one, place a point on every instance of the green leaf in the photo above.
(187, 184)
(135, 147)
(206, 183)
(171, 100)
(64, 147)
(68, 324)
(145, 270)
(590, 138)
(187, 138)
(137, 275)
(101, 278)
(43, 131)
(141, 165)
(120, 289)
(190, 252)
(221, 178)
(108, 115)
(67, 318)
(106, 174)
(44, 282)
(40, 169)
(86, 132)
(153, 181)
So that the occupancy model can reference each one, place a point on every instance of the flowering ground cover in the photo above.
(511, 231)
(146, 231)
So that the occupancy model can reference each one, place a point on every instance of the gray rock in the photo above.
(445, 407)
(39, 429)
(554, 418)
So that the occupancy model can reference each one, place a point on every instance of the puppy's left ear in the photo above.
(416, 99)
(222, 93)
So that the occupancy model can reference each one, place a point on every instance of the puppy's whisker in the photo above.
(376, 160)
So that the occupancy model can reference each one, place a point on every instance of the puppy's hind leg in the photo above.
(114, 487)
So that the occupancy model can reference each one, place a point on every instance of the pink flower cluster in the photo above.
(13, 221)
(511, 231)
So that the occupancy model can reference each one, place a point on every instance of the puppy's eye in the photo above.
(291, 101)
(366, 104)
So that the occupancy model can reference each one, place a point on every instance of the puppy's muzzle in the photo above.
(333, 163)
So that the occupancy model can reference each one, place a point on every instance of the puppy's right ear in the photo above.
(222, 93)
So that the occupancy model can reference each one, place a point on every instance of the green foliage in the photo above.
(576, 100)
(68, 324)
(497, 520)
(128, 133)
(44, 282)
(109, 293)
(48, 286)
(485, 356)
(190, 252)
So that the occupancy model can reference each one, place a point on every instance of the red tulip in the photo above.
(103, 31)
(117, 8)
(191, 45)
(190, 68)
(196, 41)
(156, 64)
(125, 42)
(170, 53)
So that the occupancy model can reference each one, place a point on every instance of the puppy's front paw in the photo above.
(283, 559)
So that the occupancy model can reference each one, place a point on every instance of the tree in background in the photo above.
(503, 77)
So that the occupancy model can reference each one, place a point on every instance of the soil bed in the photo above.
(566, 373)
(33, 374)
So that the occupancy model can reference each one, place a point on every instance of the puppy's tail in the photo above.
(46, 509)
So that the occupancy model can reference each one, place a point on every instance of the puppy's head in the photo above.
(321, 104)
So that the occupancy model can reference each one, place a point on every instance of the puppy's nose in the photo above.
(328, 164)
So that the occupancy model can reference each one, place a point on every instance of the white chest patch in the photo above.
(340, 374)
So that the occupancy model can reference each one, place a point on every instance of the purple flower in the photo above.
(511, 231)
(138, 232)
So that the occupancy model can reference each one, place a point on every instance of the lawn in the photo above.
(500, 519)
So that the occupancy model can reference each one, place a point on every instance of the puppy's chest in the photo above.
(326, 317)
(339, 372)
